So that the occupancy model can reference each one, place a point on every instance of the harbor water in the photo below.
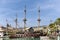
(58, 38)
(19, 38)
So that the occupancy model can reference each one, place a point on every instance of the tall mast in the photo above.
(7, 26)
(38, 17)
(25, 17)
(16, 20)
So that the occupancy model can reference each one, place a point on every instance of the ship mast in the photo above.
(38, 17)
(25, 18)
(16, 20)
(7, 27)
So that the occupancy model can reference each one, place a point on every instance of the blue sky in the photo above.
(50, 10)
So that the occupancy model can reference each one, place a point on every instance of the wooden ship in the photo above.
(30, 32)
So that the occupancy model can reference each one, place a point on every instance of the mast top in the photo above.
(25, 14)
(25, 9)
(39, 9)
(38, 14)
(16, 15)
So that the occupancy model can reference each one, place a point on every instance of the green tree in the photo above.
(57, 22)
(51, 25)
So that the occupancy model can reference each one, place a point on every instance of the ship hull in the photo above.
(25, 35)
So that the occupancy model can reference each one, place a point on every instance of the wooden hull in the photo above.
(24, 35)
